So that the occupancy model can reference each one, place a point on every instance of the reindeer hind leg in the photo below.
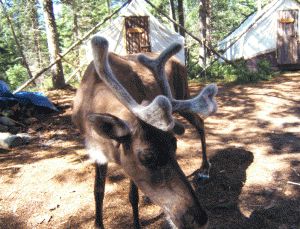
(198, 123)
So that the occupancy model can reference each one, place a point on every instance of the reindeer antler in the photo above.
(204, 103)
(158, 113)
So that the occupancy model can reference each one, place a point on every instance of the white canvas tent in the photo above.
(160, 36)
(258, 34)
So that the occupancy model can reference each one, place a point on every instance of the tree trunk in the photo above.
(34, 17)
(208, 27)
(181, 17)
(202, 30)
(76, 37)
(109, 9)
(173, 14)
(53, 45)
(16, 40)
(92, 30)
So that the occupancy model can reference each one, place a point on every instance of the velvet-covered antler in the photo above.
(159, 112)
(204, 103)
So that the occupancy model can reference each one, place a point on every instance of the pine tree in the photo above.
(53, 45)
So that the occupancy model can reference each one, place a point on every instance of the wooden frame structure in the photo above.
(287, 37)
(287, 54)
(84, 37)
(137, 34)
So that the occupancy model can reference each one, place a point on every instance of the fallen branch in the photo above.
(296, 172)
(12, 167)
(16, 121)
(1, 113)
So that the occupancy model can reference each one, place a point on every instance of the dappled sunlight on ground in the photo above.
(253, 143)
(263, 118)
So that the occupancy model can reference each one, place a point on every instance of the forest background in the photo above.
(43, 33)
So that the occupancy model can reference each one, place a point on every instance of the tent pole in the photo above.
(76, 70)
(24, 85)
(204, 42)
(197, 39)
(248, 28)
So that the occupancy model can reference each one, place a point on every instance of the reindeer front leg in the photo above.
(99, 188)
(198, 123)
(134, 200)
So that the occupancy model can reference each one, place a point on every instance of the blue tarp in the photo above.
(23, 97)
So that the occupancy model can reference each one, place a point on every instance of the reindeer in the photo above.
(125, 116)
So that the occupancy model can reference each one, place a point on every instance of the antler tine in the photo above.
(204, 103)
(158, 113)
(157, 67)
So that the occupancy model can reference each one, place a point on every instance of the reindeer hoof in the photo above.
(201, 179)
(200, 176)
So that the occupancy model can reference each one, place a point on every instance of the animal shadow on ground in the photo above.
(220, 195)
(227, 178)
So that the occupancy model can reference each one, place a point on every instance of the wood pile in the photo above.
(18, 112)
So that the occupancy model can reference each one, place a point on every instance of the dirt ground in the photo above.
(253, 144)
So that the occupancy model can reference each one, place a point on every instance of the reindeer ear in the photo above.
(109, 126)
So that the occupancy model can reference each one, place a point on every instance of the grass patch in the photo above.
(225, 73)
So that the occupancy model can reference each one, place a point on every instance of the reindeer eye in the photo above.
(147, 158)
(153, 159)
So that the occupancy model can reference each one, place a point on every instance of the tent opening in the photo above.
(137, 34)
